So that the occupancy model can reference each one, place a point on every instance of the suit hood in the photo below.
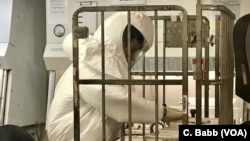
(114, 26)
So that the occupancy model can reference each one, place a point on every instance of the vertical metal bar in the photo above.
(185, 67)
(206, 70)
(217, 62)
(122, 137)
(198, 61)
(129, 78)
(226, 107)
(230, 55)
(231, 59)
(143, 93)
(51, 90)
(165, 33)
(164, 60)
(222, 63)
(76, 83)
(156, 77)
(3, 95)
(103, 77)
(164, 63)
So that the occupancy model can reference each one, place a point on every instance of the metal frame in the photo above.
(3, 94)
(103, 81)
(224, 67)
(223, 80)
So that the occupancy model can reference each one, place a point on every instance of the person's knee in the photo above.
(14, 133)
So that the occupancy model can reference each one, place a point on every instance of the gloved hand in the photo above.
(171, 114)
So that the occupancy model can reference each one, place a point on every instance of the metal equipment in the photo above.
(197, 40)
(155, 82)
(223, 57)
(23, 73)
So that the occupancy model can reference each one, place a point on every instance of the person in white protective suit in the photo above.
(60, 118)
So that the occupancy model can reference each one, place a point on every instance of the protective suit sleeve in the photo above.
(116, 102)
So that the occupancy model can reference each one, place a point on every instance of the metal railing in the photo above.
(224, 71)
(79, 32)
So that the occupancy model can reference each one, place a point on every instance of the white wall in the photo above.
(244, 7)
(189, 5)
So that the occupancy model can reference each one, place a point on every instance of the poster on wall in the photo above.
(127, 2)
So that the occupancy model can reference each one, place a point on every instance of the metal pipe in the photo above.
(51, 89)
(5, 74)
(129, 8)
(164, 62)
(129, 79)
(198, 61)
(185, 67)
(143, 94)
(162, 73)
(103, 77)
(226, 89)
(75, 81)
(128, 82)
(206, 73)
(217, 62)
(156, 78)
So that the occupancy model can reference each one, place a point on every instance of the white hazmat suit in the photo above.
(60, 119)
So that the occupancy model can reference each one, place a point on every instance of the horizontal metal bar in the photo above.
(130, 8)
(161, 73)
(212, 82)
(130, 82)
(168, 18)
